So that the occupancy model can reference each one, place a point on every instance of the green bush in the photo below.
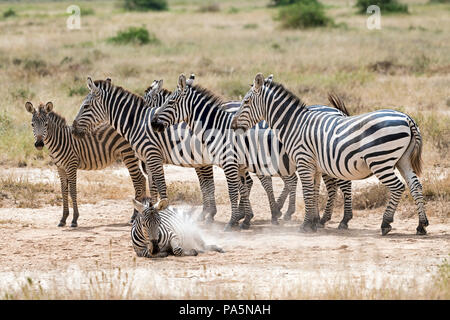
(9, 13)
(133, 35)
(304, 14)
(386, 6)
(279, 3)
(145, 5)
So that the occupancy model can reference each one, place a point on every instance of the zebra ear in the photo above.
(182, 82)
(138, 206)
(191, 79)
(269, 79)
(258, 82)
(161, 204)
(90, 84)
(48, 107)
(29, 107)
(160, 84)
(108, 80)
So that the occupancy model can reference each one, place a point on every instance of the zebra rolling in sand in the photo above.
(156, 233)
(203, 112)
(350, 148)
(94, 152)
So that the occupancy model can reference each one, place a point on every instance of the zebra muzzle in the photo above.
(77, 132)
(157, 125)
(39, 144)
(239, 129)
(155, 246)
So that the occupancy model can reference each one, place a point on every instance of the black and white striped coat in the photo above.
(156, 95)
(348, 148)
(203, 112)
(129, 115)
(93, 152)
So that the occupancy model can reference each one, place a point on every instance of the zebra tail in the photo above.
(338, 103)
(416, 154)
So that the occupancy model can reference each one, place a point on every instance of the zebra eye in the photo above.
(32, 124)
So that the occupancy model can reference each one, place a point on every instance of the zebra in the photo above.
(350, 148)
(128, 114)
(156, 95)
(94, 152)
(202, 110)
(156, 232)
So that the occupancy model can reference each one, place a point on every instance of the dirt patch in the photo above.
(264, 262)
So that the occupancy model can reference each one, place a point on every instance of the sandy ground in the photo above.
(264, 262)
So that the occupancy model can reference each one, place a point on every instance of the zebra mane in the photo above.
(55, 117)
(164, 91)
(278, 86)
(337, 102)
(208, 94)
(108, 86)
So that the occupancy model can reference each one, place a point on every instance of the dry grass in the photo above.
(405, 64)
(20, 192)
(116, 283)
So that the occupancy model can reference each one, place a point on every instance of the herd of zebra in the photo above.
(271, 132)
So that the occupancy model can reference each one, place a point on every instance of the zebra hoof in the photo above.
(420, 230)
(229, 227)
(209, 220)
(276, 213)
(274, 221)
(61, 224)
(343, 226)
(307, 228)
(74, 225)
(287, 217)
(244, 226)
(320, 225)
(385, 230)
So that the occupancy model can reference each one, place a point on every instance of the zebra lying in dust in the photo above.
(157, 233)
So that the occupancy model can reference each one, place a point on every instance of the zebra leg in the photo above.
(201, 244)
(291, 183)
(232, 176)
(206, 179)
(415, 187)
(65, 196)
(307, 176)
(155, 167)
(317, 180)
(178, 250)
(396, 188)
(247, 184)
(72, 177)
(331, 185)
(138, 179)
(346, 188)
(275, 211)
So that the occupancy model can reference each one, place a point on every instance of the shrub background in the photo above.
(386, 6)
(144, 5)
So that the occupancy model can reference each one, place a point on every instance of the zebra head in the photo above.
(149, 218)
(251, 110)
(91, 111)
(155, 95)
(174, 109)
(39, 122)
